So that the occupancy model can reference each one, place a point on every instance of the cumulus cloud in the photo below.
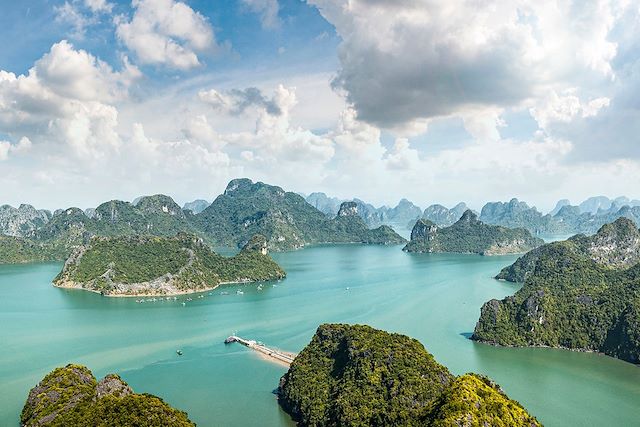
(268, 11)
(411, 60)
(6, 148)
(65, 99)
(166, 32)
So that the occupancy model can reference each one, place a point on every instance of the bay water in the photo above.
(435, 298)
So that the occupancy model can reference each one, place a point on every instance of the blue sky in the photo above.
(436, 102)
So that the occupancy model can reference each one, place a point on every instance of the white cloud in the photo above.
(166, 32)
(99, 6)
(68, 13)
(268, 11)
(564, 108)
(6, 148)
(411, 60)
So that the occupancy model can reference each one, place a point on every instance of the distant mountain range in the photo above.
(565, 218)
(286, 219)
(403, 215)
(243, 210)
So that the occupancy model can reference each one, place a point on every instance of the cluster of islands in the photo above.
(582, 294)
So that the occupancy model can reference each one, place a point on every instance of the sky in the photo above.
(434, 101)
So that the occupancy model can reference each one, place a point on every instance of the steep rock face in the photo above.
(424, 230)
(23, 221)
(470, 235)
(581, 293)
(354, 375)
(559, 205)
(348, 209)
(71, 396)
(146, 265)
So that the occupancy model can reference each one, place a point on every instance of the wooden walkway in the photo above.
(277, 355)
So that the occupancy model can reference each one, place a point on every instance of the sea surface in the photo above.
(435, 298)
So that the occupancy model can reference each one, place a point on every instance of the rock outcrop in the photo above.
(582, 293)
(71, 396)
(354, 375)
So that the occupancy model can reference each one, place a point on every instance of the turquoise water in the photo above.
(435, 298)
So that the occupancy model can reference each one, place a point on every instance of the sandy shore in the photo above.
(169, 293)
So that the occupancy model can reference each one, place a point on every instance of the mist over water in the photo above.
(435, 298)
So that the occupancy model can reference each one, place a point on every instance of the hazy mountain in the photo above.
(196, 206)
(443, 216)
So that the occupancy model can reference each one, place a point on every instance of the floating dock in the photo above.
(277, 355)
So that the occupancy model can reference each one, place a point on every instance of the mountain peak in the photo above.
(348, 209)
(468, 216)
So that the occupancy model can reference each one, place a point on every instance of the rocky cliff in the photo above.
(582, 293)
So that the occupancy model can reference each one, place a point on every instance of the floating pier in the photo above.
(277, 355)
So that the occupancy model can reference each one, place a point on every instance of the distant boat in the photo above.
(347, 288)
(239, 292)
(184, 303)
(179, 352)
(259, 287)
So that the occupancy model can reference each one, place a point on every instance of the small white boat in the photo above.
(259, 287)
(239, 292)
(184, 303)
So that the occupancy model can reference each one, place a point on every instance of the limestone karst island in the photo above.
(319, 213)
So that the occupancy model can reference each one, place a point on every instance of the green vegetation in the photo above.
(475, 400)
(147, 265)
(71, 396)
(245, 209)
(468, 235)
(284, 218)
(583, 293)
(15, 250)
(354, 375)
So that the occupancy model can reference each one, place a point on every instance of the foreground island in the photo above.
(470, 235)
(71, 396)
(153, 266)
(581, 294)
(354, 375)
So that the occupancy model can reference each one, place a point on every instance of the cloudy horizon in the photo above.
(472, 102)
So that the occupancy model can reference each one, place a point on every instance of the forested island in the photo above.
(582, 294)
(354, 375)
(151, 265)
(469, 235)
(71, 396)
